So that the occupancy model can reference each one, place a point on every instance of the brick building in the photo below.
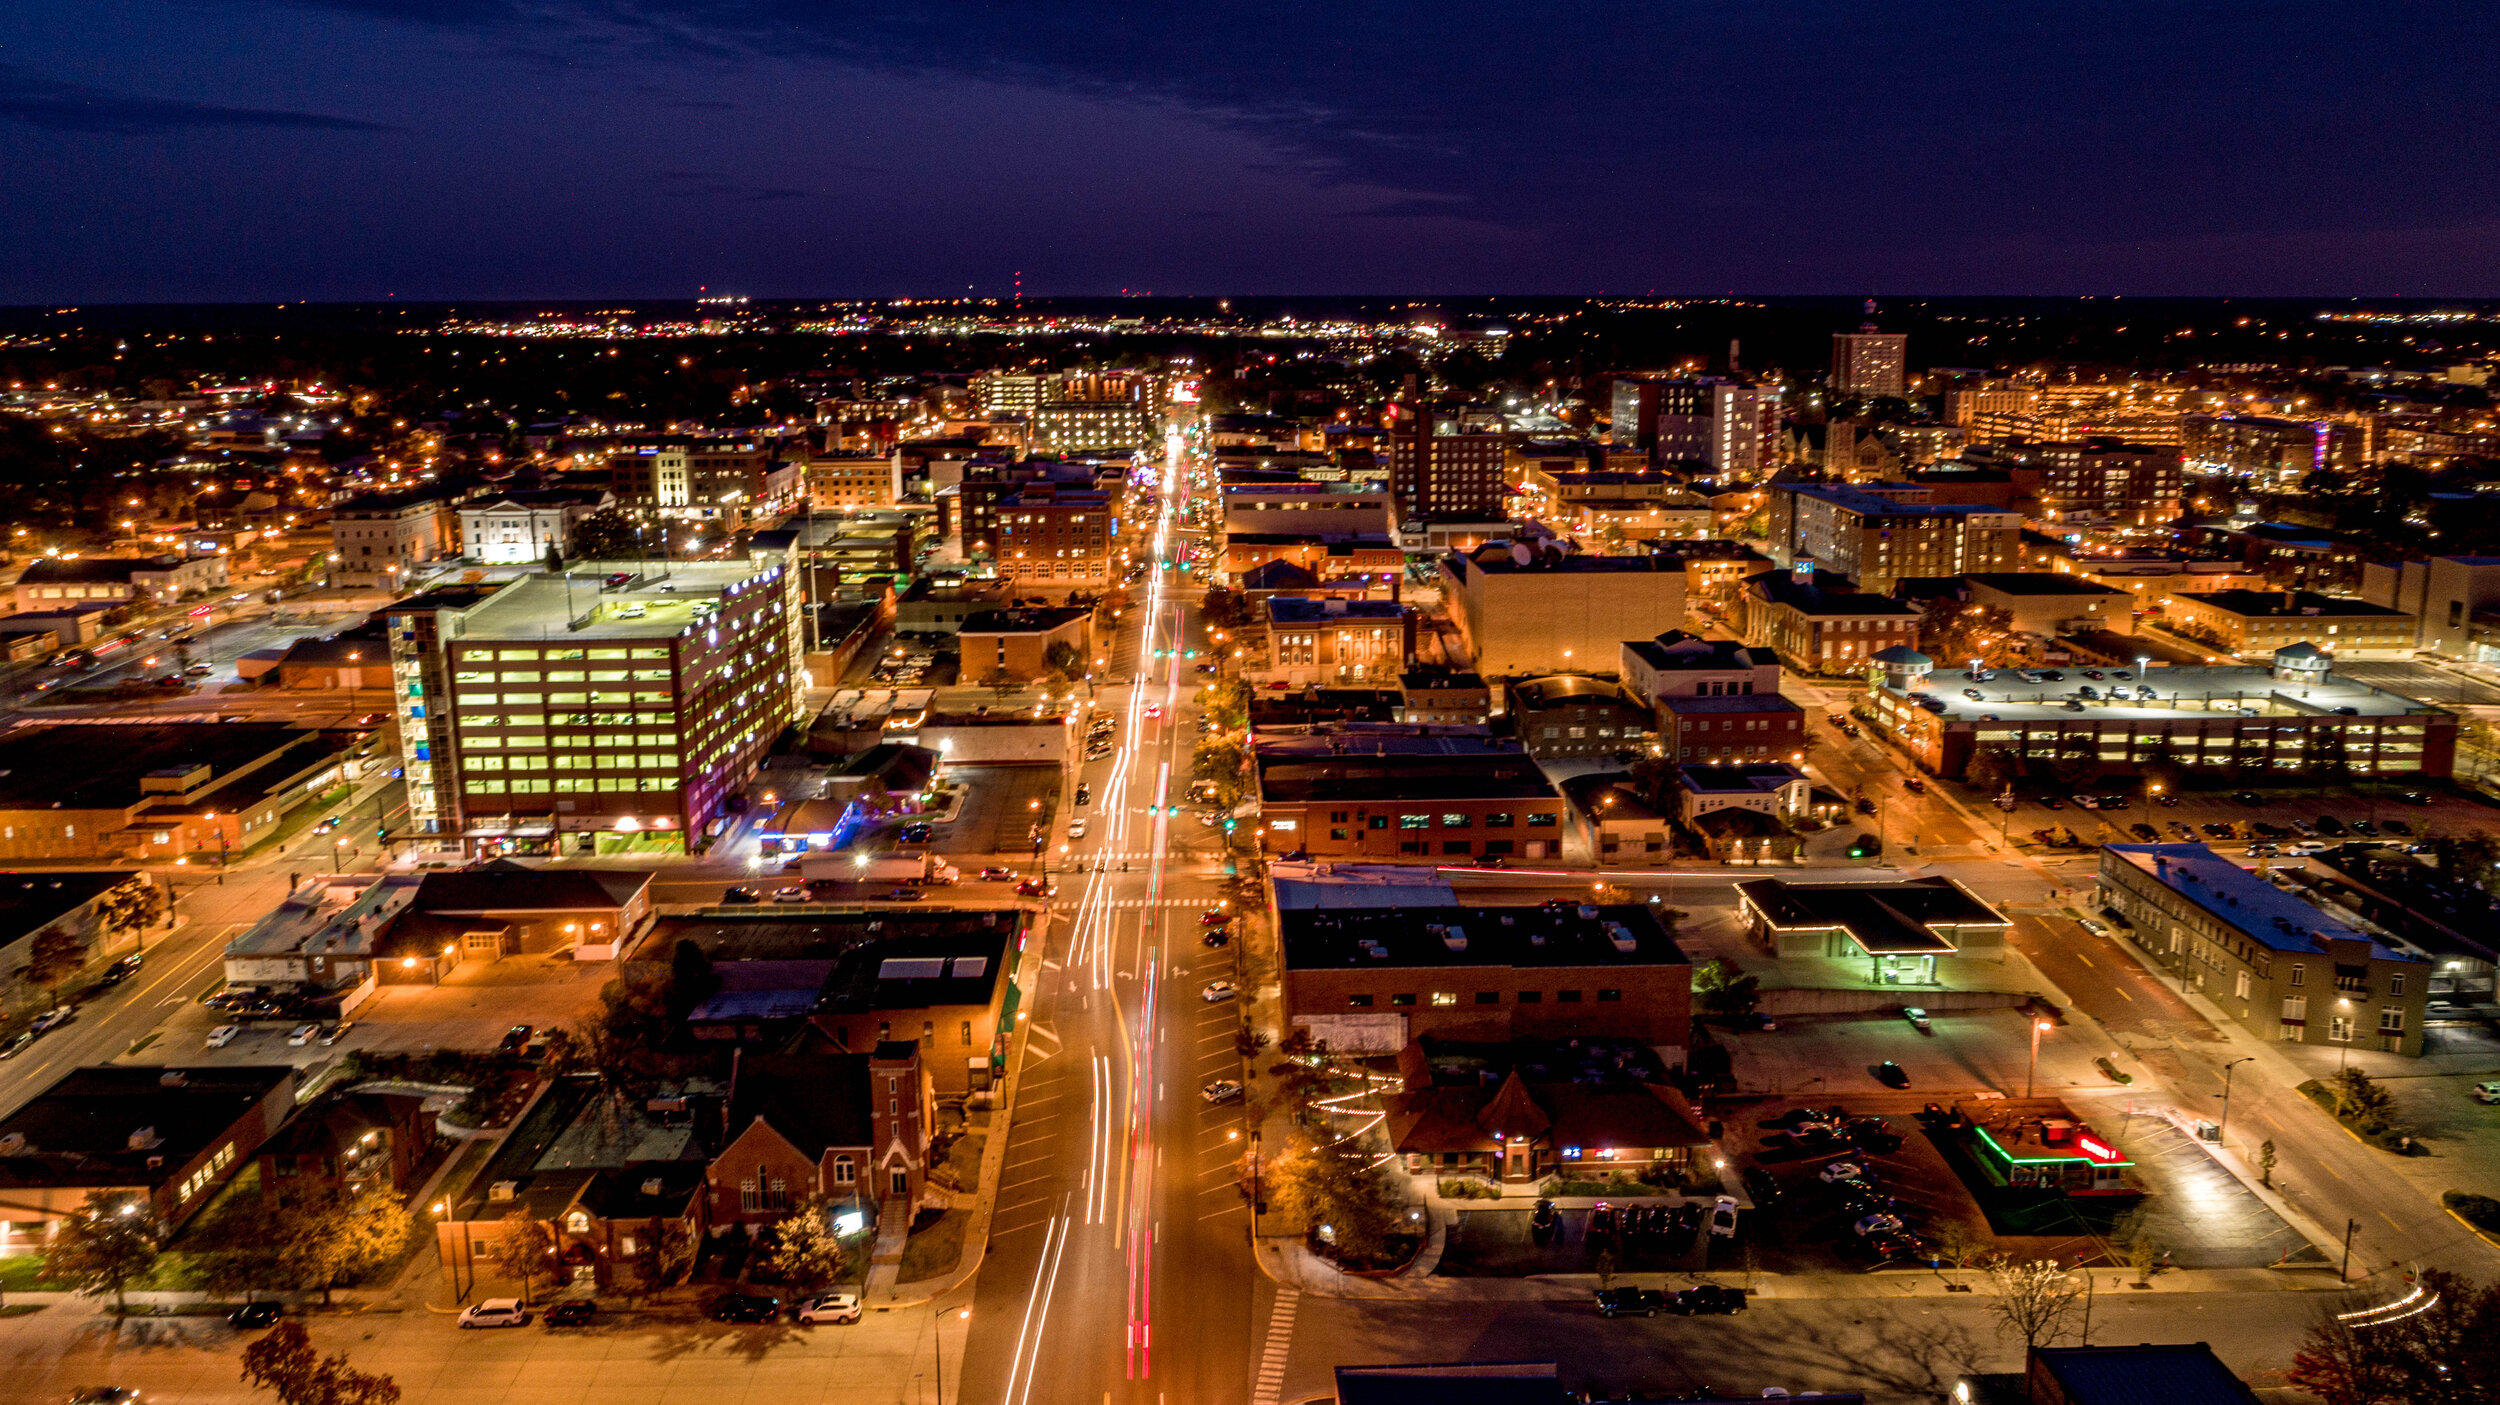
(1019, 641)
(851, 1128)
(1336, 640)
(1386, 793)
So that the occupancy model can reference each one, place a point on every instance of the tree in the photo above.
(328, 1242)
(526, 1250)
(806, 1253)
(102, 1245)
(2076, 769)
(2034, 1299)
(1993, 769)
(1723, 991)
(1331, 1188)
(132, 907)
(1066, 661)
(58, 955)
(1227, 703)
(1223, 609)
(606, 535)
(1953, 633)
(691, 979)
(555, 560)
(2359, 1099)
(282, 1361)
(667, 1257)
(2265, 1162)
(2441, 1353)
(1001, 683)
(2142, 1253)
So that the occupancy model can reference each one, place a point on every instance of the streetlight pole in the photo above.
(2225, 1121)
(2345, 1062)
(937, 1345)
(2038, 1028)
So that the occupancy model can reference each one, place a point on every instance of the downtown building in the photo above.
(1696, 419)
(718, 481)
(1869, 362)
(1438, 471)
(1881, 534)
(562, 714)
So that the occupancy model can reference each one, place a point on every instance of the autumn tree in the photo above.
(1226, 703)
(666, 1258)
(806, 1253)
(102, 1245)
(328, 1242)
(1723, 990)
(132, 907)
(1066, 661)
(1332, 1188)
(606, 535)
(58, 954)
(2444, 1352)
(282, 1361)
(1220, 761)
(526, 1250)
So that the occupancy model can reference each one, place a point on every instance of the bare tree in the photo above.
(2035, 1299)
(526, 1250)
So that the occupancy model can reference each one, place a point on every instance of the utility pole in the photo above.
(2225, 1120)
(2344, 1273)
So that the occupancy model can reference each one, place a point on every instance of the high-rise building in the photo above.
(1009, 392)
(1879, 535)
(1694, 419)
(601, 709)
(2132, 485)
(1437, 471)
(713, 481)
(1052, 537)
(1869, 362)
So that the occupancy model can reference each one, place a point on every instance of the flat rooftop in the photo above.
(2295, 604)
(2245, 902)
(1330, 938)
(2186, 691)
(80, 766)
(2040, 583)
(1303, 609)
(542, 607)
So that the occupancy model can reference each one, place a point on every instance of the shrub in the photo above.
(1468, 1188)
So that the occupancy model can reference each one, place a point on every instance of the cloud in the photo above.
(72, 107)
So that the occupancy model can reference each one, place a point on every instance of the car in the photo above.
(2248, 798)
(253, 1316)
(1036, 888)
(1839, 1171)
(1865, 806)
(1219, 937)
(997, 875)
(2088, 693)
(1707, 1300)
(1076, 829)
(2304, 829)
(2051, 802)
(745, 1307)
(515, 1039)
(2094, 674)
(2115, 802)
(1629, 1302)
(336, 1032)
(2362, 827)
(302, 1035)
(119, 971)
(494, 1312)
(2093, 925)
(1898, 1247)
(2087, 802)
(53, 1019)
(2216, 831)
(2413, 797)
(1890, 1074)
(2303, 849)
(2166, 800)
(2145, 832)
(913, 834)
(1914, 785)
(572, 1312)
(2144, 692)
(838, 1309)
(1214, 917)
(1974, 695)
(105, 1395)
(2397, 827)
(1084, 792)
(1918, 1019)
(326, 825)
(1219, 990)
(794, 893)
(905, 895)
(2330, 826)
(2073, 705)
(1723, 1217)
(223, 1035)
(198, 670)
(732, 897)
(2487, 1092)
(1877, 1224)
(17, 1045)
(2184, 830)
(1222, 1090)
(2051, 675)
(1154, 712)
(2263, 830)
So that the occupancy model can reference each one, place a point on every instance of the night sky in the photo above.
(205, 150)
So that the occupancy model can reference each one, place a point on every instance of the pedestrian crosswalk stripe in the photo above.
(1271, 1377)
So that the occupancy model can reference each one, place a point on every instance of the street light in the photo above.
(937, 1347)
(2225, 1120)
(2038, 1028)
(2344, 1003)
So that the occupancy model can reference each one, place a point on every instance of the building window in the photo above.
(1358, 1002)
(2239, 984)
(2299, 974)
(1531, 997)
(2339, 1029)
(1402, 999)
(1414, 821)
(1488, 997)
(844, 1173)
(1605, 995)
(2396, 983)
(2391, 1020)
(1445, 997)
(1567, 997)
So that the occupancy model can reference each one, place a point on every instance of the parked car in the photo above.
(494, 1312)
(1891, 1075)
(1917, 1018)
(515, 1039)
(2145, 832)
(2397, 827)
(795, 893)
(253, 1316)
(1219, 990)
(302, 1035)
(837, 1309)
(2306, 848)
(223, 1035)
(1707, 1300)
(1723, 1217)
(1215, 917)
(1076, 829)
(17, 1045)
(572, 1312)
(334, 1033)
(1084, 792)
(2413, 797)
(1629, 1302)
(53, 1019)
(919, 833)
(745, 1307)
(2487, 1092)
(732, 897)
(1877, 1224)
(1218, 937)
(1839, 1171)
(2330, 826)
(2093, 925)
(1222, 1090)
(1543, 1219)
(119, 971)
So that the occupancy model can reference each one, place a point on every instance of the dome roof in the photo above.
(1902, 656)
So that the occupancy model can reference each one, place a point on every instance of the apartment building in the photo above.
(1437, 470)
(852, 482)
(2122, 485)
(2282, 967)
(1710, 420)
(2259, 622)
(381, 538)
(1881, 534)
(1530, 612)
(1869, 362)
(578, 714)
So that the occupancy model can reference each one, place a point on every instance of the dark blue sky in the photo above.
(349, 149)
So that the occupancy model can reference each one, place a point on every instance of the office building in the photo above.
(721, 483)
(54, 583)
(1696, 420)
(1990, 398)
(1573, 715)
(2295, 719)
(1816, 623)
(1551, 611)
(586, 713)
(2046, 605)
(2277, 963)
(381, 538)
(1867, 362)
(1880, 534)
(2269, 452)
(2259, 622)
(164, 1137)
(1058, 538)
(2454, 598)
(1336, 640)
(1354, 791)
(1677, 664)
(1437, 697)
(853, 482)
(1437, 470)
(1742, 729)
(159, 792)
(1017, 643)
(519, 529)
(1095, 412)
(997, 393)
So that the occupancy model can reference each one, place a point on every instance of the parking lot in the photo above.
(2230, 824)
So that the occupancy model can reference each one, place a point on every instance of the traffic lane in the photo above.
(172, 973)
(2105, 982)
(1891, 1349)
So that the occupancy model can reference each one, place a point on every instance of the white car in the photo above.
(837, 1308)
(1878, 1224)
(2304, 849)
(1842, 1171)
(791, 894)
(1219, 990)
(302, 1035)
(52, 1019)
(2487, 1092)
(494, 1312)
(2092, 925)
(1224, 1090)
(223, 1035)
(1076, 829)
(1723, 1217)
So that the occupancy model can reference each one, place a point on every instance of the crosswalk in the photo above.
(1271, 1378)
(1150, 902)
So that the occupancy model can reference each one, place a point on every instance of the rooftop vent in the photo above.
(651, 1186)
(14, 1144)
(1455, 938)
(503, 1190)
(145, 1139)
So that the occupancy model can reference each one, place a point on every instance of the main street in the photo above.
(1119, 1267)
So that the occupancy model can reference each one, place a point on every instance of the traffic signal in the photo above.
(1229, 822)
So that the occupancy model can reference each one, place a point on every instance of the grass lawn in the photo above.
(935, 1247)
